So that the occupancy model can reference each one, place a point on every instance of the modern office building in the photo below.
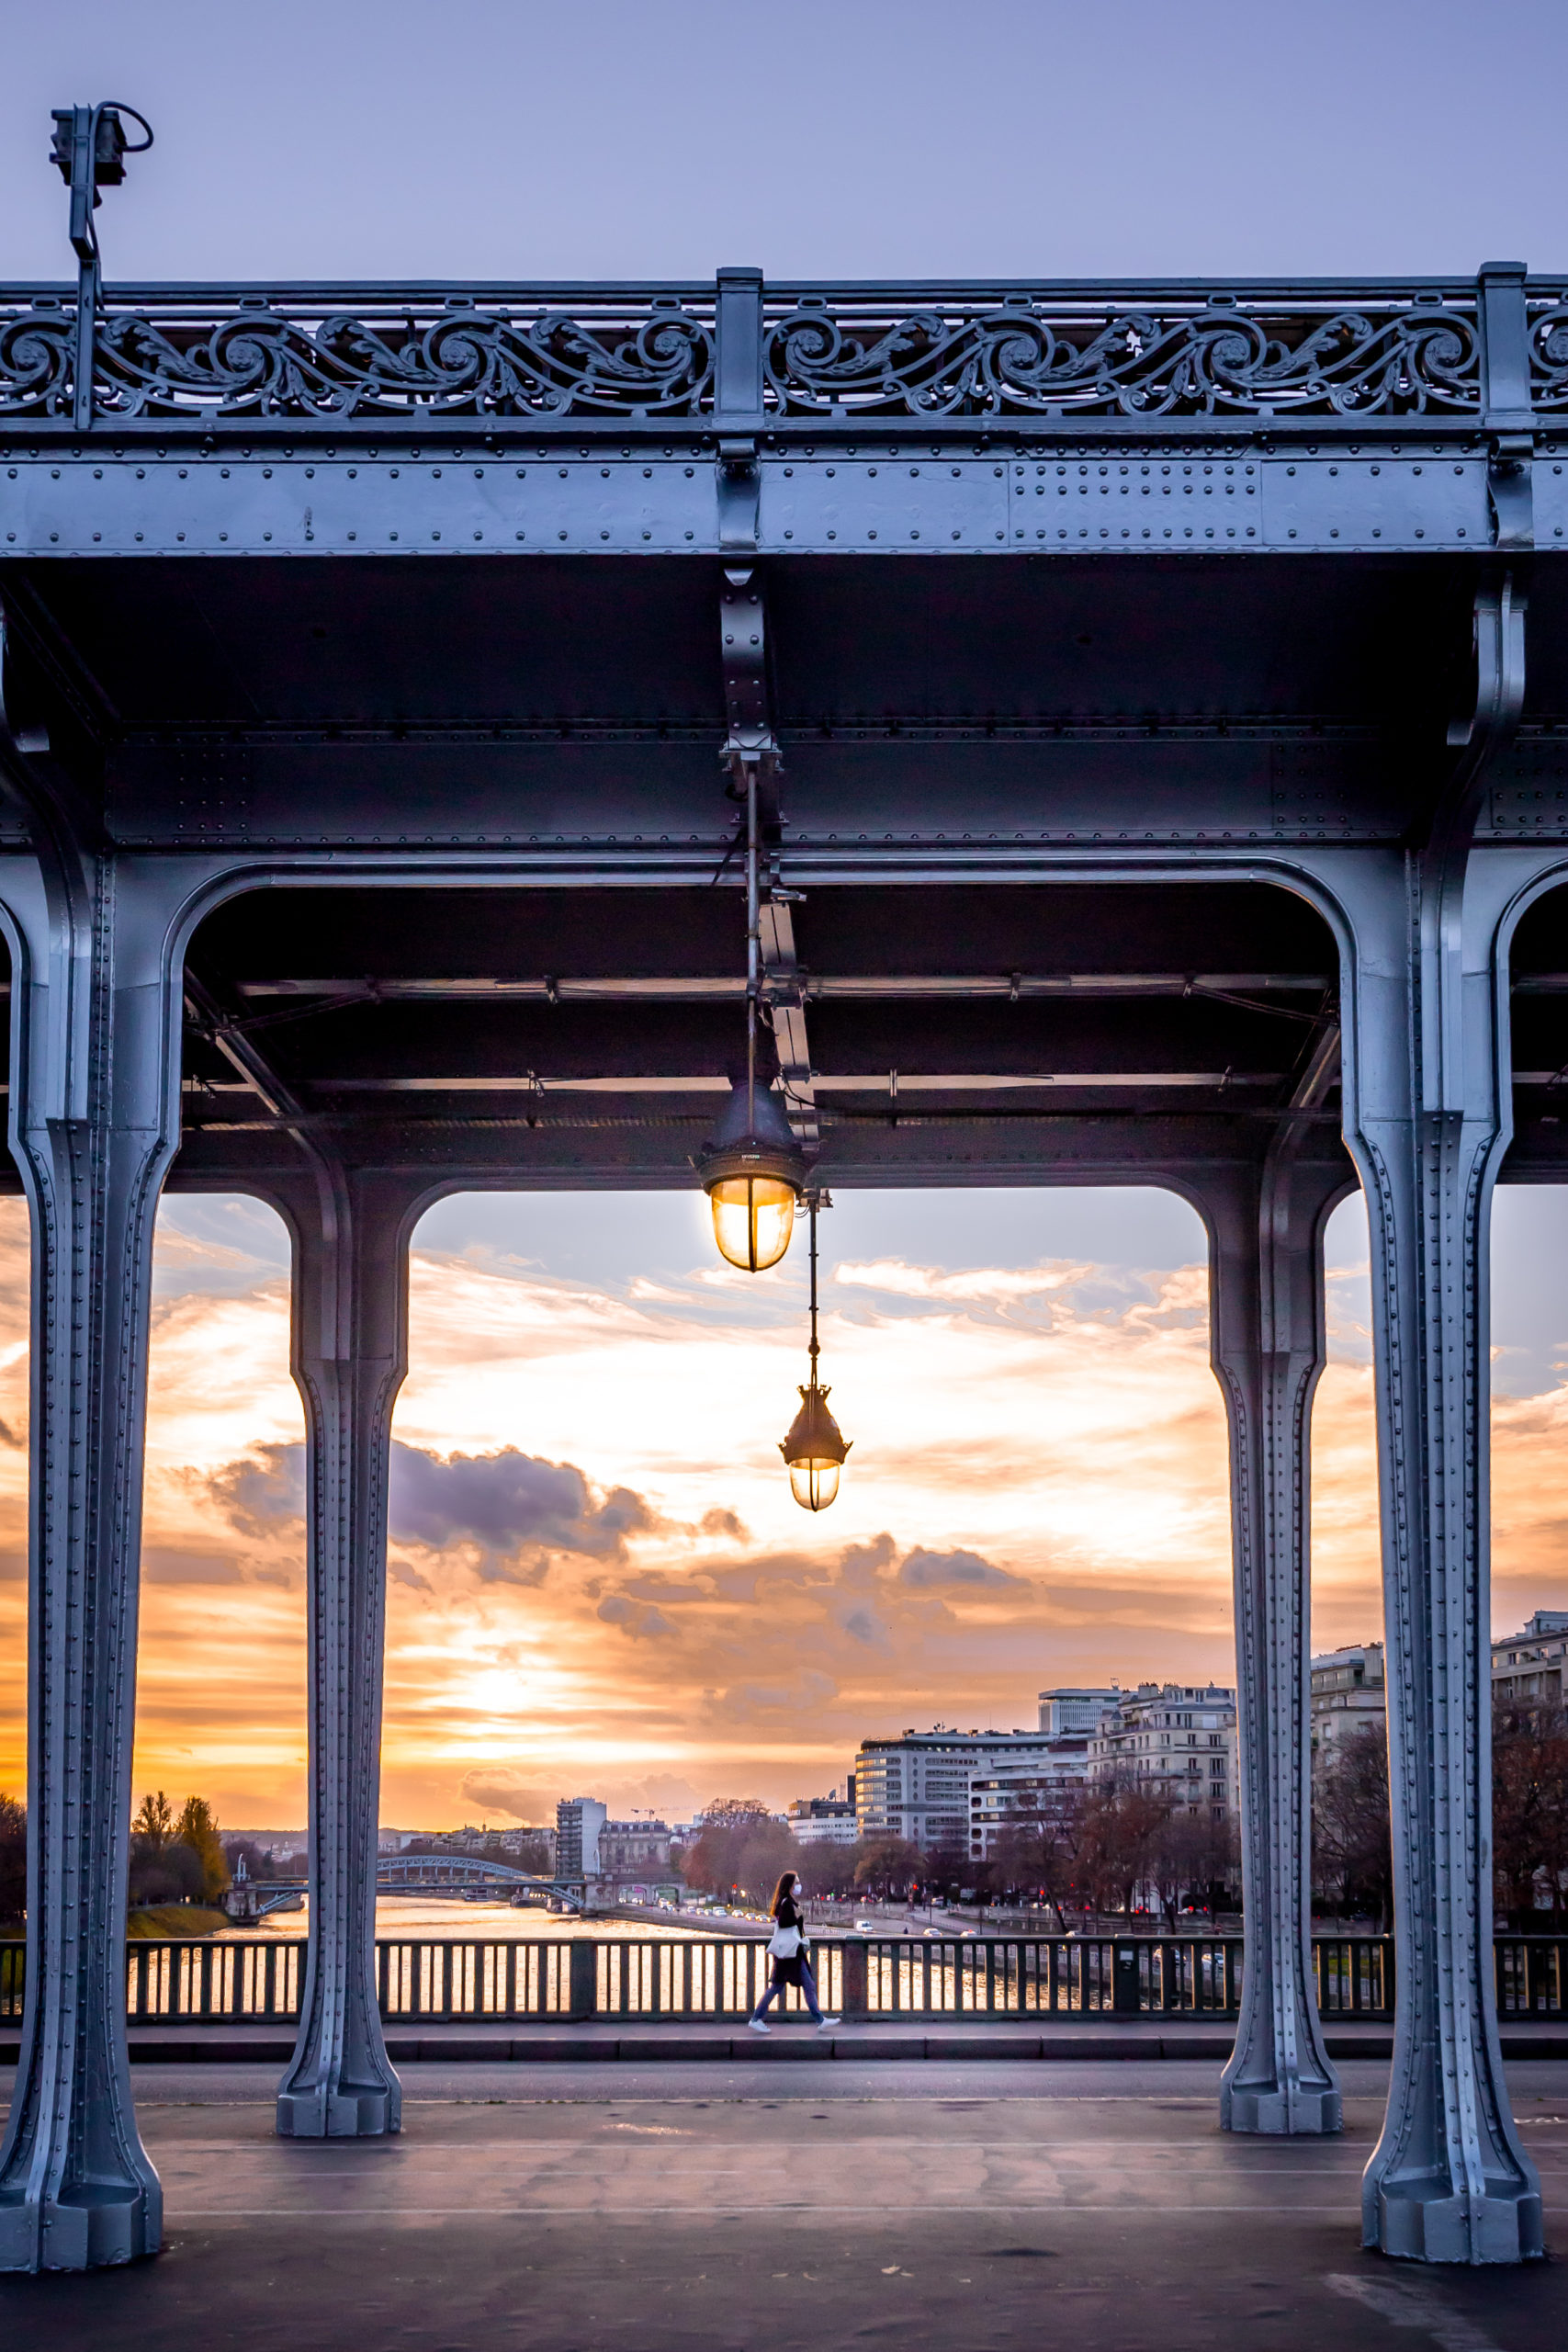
(917, 1786)
(578, 1823)
(1002, 1801)
(1177, 1740)
(1078, 1709)
(820, 1821)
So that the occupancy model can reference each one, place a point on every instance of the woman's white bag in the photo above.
(784, 1942)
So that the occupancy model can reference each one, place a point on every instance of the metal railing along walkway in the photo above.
(440, 1979)
(443, 1979)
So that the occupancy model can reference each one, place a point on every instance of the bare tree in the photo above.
(1529, 1811)
(1352, 1849)
(1040, 1849)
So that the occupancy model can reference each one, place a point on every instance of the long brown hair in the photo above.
(785, 1887)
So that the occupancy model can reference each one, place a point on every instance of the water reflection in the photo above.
(426, 1915)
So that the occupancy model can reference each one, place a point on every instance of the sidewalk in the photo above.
(637, 2042)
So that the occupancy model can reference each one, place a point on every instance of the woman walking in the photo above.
(791, 1963)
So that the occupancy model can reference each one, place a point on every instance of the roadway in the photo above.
(956, 2207)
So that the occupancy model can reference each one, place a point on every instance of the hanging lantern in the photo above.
(752, 1172)
(752, 1169)
(814, 1450)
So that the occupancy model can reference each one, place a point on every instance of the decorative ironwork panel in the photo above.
(335, 356)
(1215, 355)
(255, 355)
(1549, 353)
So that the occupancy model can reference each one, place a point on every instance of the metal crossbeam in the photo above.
(726, 988)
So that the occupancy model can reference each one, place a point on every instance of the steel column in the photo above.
(95, 1110)
(350, 1352)
(1266, 1305)
(1427, 1117)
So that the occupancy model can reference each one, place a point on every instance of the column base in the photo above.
(94, 2234)
(1311, 2108)
(1424, 2221)
(348, 2113)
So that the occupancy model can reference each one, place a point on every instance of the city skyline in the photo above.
(598, 1579)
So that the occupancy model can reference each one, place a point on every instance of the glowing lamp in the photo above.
(813, 1450)
(752, 1172)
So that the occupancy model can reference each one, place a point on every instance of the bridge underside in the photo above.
(1151, 706)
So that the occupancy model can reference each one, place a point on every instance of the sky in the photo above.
(599, 1584)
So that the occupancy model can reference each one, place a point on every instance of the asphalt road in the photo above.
(923, 2205)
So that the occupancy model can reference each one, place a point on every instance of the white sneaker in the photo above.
(758, 2025)
(825, 2024)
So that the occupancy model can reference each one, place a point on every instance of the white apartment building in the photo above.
(1077, 1709)
(1347, 1692)
(1178, 1741)
(1533, 1665)
(823, 1821)
(578, 1821)
(1000, 1801)
(917, 1786)
(633, 1850)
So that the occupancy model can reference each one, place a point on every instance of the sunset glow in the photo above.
(599, 1579)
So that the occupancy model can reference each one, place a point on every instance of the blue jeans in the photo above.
(808, 1985)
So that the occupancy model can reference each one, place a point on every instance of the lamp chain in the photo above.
(753, 941)
(811, 1211)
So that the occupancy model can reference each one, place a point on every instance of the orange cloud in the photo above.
(600, 1583)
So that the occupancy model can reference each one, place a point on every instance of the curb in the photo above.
(864, 2045)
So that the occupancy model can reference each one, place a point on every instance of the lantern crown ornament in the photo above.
(816, 1448)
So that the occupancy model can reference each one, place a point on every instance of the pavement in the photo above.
(855, 2041)
(564, 2206)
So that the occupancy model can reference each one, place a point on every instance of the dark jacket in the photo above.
(788, 1915)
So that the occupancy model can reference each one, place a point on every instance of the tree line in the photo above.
(176, 1857)
(1078, 1850)
(1075, 1849)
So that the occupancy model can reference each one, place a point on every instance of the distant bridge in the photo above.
(437, 1874)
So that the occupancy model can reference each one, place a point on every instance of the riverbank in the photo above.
(153, 1922)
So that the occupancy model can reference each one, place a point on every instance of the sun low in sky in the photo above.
(600, 1583)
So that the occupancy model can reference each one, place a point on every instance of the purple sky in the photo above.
(835, 138)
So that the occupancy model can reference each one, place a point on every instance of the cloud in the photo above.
(164, 1563)
(974, 1285)
(510, 1504)
(264, 1491)
(723, 1522)
(499, 1788)
(929, 1571)
(795, 1694)
(864, 1625)
(639, 1619)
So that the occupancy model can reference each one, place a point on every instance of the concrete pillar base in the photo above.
(1300, 2110)
(1421, 2223)
(352, 2112)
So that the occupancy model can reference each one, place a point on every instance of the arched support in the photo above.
(350, 1352)
(94, 1122)
(1267, 1322)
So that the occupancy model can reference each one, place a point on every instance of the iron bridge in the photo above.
(1149, 703)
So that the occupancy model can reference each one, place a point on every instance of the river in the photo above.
(423, 1916)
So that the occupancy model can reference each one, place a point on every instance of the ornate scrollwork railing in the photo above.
(335, 356)
(257, 356)
(1215, 357)
(1549, 355)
